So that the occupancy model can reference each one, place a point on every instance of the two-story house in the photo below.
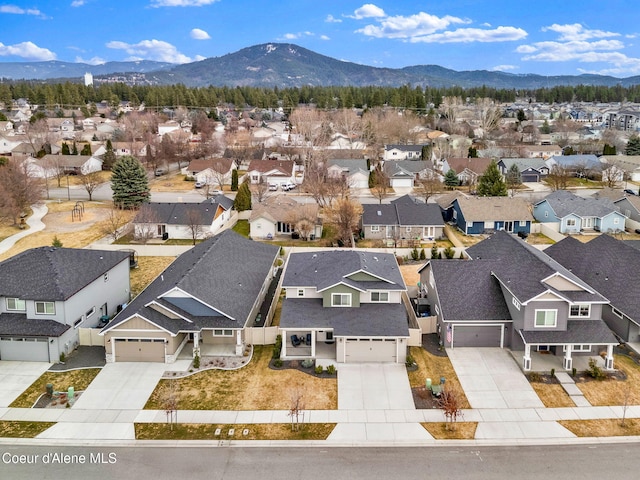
(402, 152)
(510, 294)
(47, 294)
(344, 306)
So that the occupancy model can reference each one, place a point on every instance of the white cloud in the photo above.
(27, 50)
(411, 26)
(332, 19)
(199, 58)
(296, 36)
(504, 68)
(151, 50)
(576, 32)
(182, 3)
(368, 10)
(324, 37)
(469, 35)
(199, 34)
(91, 61)
(20, 11)
(77, 3)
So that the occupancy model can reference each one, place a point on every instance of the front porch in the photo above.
(546, 361)
(307, 344)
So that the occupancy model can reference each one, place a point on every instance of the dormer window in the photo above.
(340, 299)
(580, 311)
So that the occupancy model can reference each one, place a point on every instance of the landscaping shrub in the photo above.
(319, 369)
(331, 370)
(415, 254)
(277, 348)
(196, 361)
(434, 251)
(307, 363)
(409, 361)
(449, 253)
(423, 255)
(594, 371)
(277, 363)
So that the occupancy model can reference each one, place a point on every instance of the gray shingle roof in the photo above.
(609, 265)
(565, 203)
(17, 324)
(404, 211)
(594, 332)
(178, 213)
(490, 209)
(326, 268)
(368, 320)
(524, 163)
(226, 272)
(54, 274)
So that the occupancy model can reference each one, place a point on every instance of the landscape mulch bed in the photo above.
(423, 399)
(580, 377)
(297, 365)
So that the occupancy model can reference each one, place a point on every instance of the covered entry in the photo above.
(370, 350)
(476, 335)
(139, 349)
(29, 349)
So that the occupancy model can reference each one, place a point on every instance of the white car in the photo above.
(288, 186)
(273, 187)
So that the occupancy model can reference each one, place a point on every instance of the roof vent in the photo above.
(379, 213)
(315, 255)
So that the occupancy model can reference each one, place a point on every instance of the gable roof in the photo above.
(226, 272)
(566, 203)
(405, 168)
(327, 268)
(476, 165)
(523, 164)
(178, 213)
(589, 161)
(607, 264)
(404, 211)
(348, 165)
(54, 274)
(404, 148)
(284, 167)
(220, 165)
(487, 209)
(283, 209)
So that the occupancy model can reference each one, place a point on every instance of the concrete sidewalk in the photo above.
(35, 225)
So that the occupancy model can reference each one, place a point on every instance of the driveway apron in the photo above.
(369, 386)
(16, 377)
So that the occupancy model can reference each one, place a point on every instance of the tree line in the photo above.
(419, 99)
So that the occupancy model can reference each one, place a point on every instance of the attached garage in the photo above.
(477, 336)
(401, 182)
(370, 350)
(30, 349)
(139, 349)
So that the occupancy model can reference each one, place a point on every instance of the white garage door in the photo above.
(370, 350)
(139, 350)
(477, 336)
(24, 349)
(402, 182)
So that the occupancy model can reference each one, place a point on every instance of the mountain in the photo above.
(287, 65)
(55, 69)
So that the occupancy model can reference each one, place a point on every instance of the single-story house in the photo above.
(353, 171)
(403, 173)
(469, 170)
(199, 305)
(531, 169)
(276, 172)
(282, 215)
(211, 171)
(476, 215)
(49, 165)
(402, 152)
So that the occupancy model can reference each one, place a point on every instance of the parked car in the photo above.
(288, 186)
(160, 171)
(199, 184)
(629, 191)
(273, 187)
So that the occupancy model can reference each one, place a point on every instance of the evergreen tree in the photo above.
(74, 150)
(609, 149)
(434, 251)
(451, 178)
(129, 183)
(86, 150)
(109, 157)
(491, 184)
(633, 145)
(234, 180)
(473, 152)
(65, 149)
(243, 198)
(514, 178)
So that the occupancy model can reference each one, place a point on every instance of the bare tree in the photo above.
(260, 190)
(20, 190)
(296, 407)
(488, 115)
(613, 173)
(344, 214)
(558, 177)
(450, 402)
(194, 224)
(146, 224)
(168, 397)
(112, 226)
(449, 110)
(428, 186)
(303, 219)
(347, 122)
(380, 187)
(90, 181)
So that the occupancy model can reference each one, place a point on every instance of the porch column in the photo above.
(608, 360)
(313, 343)
(239, 345)
(527, 358)
(196, 344)
(567, 361)
(283, 350)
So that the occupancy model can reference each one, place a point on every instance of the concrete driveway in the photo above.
(121, 386)
(370, 386)
(491, 378)
(16, 377)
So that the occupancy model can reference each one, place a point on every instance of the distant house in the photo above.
(47, 294)
(344, 306)
(574, 214)
(476, 215)
(211, 171)
(354, 172)
(49, 165)
(403, 173)
(542, 151)
(531, 169)
(178, 220)
(168, 127)
(273, 171)
(402, 152)
(628, 164)
(282, 215)
(467, 169)
(578, 165)
(403, 218)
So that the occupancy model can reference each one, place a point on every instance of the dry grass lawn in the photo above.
(430, 366)
(61, 381)
(17, 429)
(253, 387)
(552, 395)
(148, 270)
(448, 431)
(410, 273)
(272, 431)
(173, 182)
(539, 239)
(611, 427)
(614, 392)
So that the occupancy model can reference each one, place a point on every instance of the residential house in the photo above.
(629, 165)
(575, 214)
(50, 165)
(531, 169)
(272, 171)
(16, 146)
(608, 265)
(402, 152)
(403, 219)
(211, 171)
(403, 173)
(476, 215)
(354, 172)
(282, 215)
(168, 127)
(510, 294)
(183, 220)
(200, 305)
(583, 166)
(48, 293)
(542, 151)
(343, 306)
(469, 170)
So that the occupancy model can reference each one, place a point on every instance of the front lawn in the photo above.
(610, 427)
(614, 391)
(19, 429)
(253, 387)
(242, 228)
(61, 381)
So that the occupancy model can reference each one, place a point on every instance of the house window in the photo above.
(578, 348)
(616, 221)
(523, 223)
(546, 318)
(77, 323)
(546, 214)
(379, 296)
(617, 312)
(328, 336)
(340, 299)
(375, 228)
(45, 308)
(16, 305)
(571, 222)
(580, 310)
(91, 311)
(515, 302)
(223, 333)
(301, 292)
(437, 310)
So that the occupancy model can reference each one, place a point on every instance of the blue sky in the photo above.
(543, 37)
